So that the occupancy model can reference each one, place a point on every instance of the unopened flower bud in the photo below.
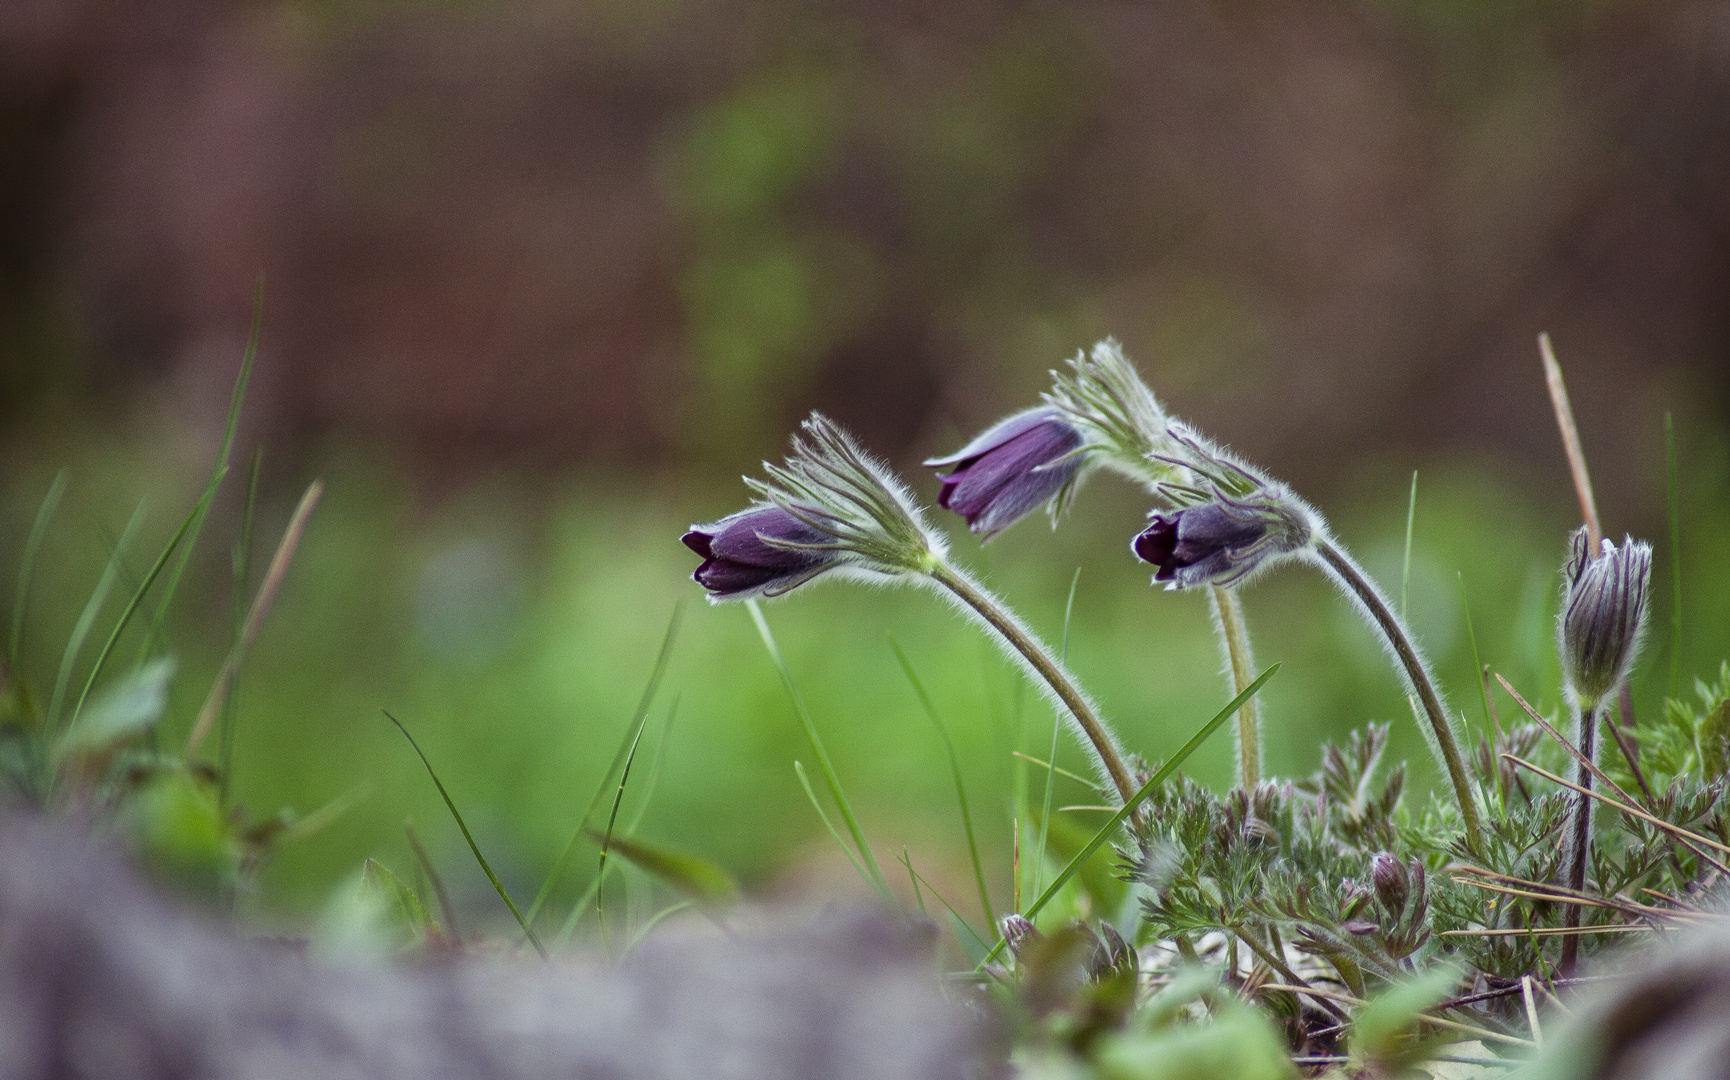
(1221, 542)
(828, 507)
(747, 554)
(1388, 875)
(1018, 932)
(1017, 465)
(1603, 613)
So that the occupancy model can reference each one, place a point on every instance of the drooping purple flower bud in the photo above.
(1219, 543)
(1603, 613)
(1018, 464)
(763, 551)
(1388, 876)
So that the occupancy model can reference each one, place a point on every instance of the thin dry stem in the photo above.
(255, 616)
(1571, 440)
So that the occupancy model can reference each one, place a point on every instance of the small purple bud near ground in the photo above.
(1014, 467)
(748, 554)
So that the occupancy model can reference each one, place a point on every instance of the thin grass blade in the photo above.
(261, 605)
(632, 731)
(434, 880)
(138, 595)
(612, 820)
(498, 885)
(1056, 723)
(87, 618)
(577, 909)
(1675, 555)
(823, 762)
(1147, 789)
(1406, 565)
(240, 559)
(1477, 661)
(217, 472)
(27, 568)
(699, 880)
(817, 805)
(955, 770)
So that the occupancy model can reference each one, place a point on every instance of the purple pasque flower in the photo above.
(1019, 463)
(1218, 543)
(762, 551)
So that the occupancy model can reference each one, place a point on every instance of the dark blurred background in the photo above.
(541, 279)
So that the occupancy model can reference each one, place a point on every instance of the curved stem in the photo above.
(1039, 658)
(1580, 827)
(1417, 675)
(1234, 633)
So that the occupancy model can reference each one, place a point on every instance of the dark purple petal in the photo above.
(1211, 542)
(997, 482)
(996, 435)
(1156, 544)
(739, 559)
(699, 542)
(741, 538)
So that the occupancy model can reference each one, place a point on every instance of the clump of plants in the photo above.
(1317, 923)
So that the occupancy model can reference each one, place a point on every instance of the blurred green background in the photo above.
(543, 279)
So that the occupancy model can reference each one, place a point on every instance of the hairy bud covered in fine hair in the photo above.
(1219, 543)
(830, 506)
(1388, 876)
(1603, 613)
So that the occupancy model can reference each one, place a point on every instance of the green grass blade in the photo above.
(27, 568)
(817, 805)
(240, 559)
(913, 879)
(699, 880)
(654, 767)
(1406, 566)
(1675, 555)
(577, 909)
(920, 879)
(1477, 661)
(498, 885)
(632, 731)
(87, 618)
(654, 921)
(955, 770)
(1147, 789)
(434, 880)
(217, 472)
(1077, 777)
(138, 595)
(823, 762)
(1051, 767)
(613, 820)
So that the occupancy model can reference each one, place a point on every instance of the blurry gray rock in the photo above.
(100, 977)
(1664, 1016)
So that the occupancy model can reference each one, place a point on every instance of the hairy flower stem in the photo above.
(1234, 635)
(1039, 658)
(1347, 574)
(1586, 721)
